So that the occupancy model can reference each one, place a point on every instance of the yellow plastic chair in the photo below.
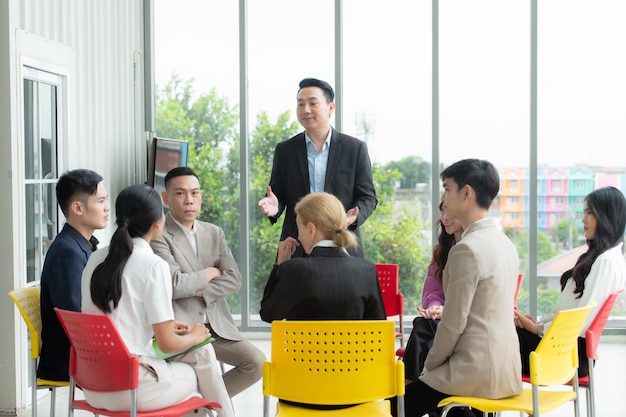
(553, 363)
(333, 363)
(27, 302)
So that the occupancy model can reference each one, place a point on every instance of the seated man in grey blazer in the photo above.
(204, 273)
(475, 350)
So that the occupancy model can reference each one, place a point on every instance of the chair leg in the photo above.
(33, 381)
(53, 398)
(266, 406)
(591, 395)
(400, 405)
(70, 400)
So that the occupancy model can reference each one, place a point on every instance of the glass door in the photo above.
(42, 130)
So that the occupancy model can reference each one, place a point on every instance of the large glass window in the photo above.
(481, 85)
(196, 69)
(581, 130)
(288, 40)
(387, 101)
(484, 100)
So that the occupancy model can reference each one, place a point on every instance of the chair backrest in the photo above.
(27, 302)
(99, 359)
(593, 333)
(334, 362)
(388, 275)
(555, 361)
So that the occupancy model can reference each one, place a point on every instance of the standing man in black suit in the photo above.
(319, 159)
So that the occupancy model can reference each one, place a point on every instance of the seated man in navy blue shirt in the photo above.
(84, 202)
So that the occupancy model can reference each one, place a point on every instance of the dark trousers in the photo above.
(417, 347)
(420, 399)
(528, 342)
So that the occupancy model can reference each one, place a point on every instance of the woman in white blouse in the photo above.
(600, 271)
(132, 285)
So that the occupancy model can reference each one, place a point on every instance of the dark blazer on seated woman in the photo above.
(329, 284)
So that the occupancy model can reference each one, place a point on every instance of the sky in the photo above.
(484, 71)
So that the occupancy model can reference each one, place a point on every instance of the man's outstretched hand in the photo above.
(269, 203)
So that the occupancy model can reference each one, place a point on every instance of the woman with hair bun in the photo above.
(132, 285)
(328, 284)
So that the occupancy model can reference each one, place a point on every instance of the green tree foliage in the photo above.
(545, 249)
(211, 126)
(566, 234)
(413, 170)
(264, 237)
(397, 237)
(546, 300)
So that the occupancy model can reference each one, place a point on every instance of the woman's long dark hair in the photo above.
(137, 208)
(442, 248)
(608, 206)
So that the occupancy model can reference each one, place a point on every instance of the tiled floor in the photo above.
(610, 372)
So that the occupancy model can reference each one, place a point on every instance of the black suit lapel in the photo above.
(303, 163)
(333, 158)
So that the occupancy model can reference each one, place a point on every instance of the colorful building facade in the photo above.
(560, 194)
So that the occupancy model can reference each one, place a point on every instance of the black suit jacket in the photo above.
(329, 284)
(348, 177)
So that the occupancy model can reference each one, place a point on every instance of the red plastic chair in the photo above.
(592, 340)
(100, 361)
(388, 276)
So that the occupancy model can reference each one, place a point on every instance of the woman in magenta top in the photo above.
(424, 326)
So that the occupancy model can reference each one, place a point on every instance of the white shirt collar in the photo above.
(326, 142)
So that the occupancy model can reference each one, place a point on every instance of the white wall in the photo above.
(103, 40)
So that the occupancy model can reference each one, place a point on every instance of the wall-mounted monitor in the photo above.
(165, 154)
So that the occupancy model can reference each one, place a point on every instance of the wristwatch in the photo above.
(540, 329)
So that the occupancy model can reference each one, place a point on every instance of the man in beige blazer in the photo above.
(204, 273)
(476, 350)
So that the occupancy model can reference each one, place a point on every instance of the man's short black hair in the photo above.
(75, 183)
(479, 174)
(178, 172)
(314, 82)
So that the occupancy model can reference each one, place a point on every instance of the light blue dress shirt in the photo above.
(317, 161)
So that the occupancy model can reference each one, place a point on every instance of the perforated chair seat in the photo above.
(333, 363)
